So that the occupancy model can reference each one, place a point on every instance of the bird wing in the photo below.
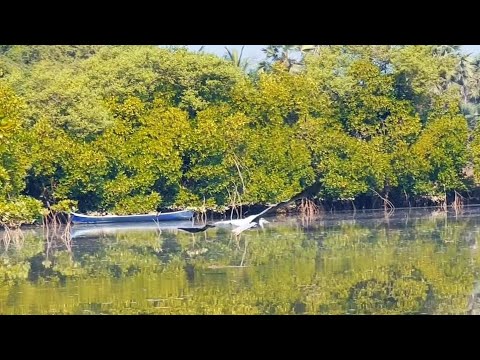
(240, 229)
(187, 229)
(193, 229)
(309, 191)
(266, 211)
(236, 222)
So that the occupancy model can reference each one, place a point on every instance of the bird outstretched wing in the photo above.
(240, 229)
(309, 191)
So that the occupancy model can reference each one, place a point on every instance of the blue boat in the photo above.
(108, 219)
(100, 230)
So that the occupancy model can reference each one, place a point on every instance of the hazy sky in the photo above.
(254, 52)
(475, 49)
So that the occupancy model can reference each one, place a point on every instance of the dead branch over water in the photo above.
(388, 206)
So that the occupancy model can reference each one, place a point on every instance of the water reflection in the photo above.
(101, 230)
(411, 262)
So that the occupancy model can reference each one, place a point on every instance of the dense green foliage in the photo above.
(129, 129)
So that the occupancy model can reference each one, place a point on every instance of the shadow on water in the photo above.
(417, 261)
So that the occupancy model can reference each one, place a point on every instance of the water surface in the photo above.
(413, 262)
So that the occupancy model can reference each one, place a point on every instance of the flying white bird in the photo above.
(251, 221)
(247, 220)
(246, 226)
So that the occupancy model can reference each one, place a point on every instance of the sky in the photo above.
(254, 52)
(474, 49)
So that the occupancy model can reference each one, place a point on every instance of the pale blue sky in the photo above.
(254, 52)
(474, 49)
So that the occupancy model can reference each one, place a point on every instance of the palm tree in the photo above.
(281, 54)
(236, 58)
(444, 50)
(465, 75)
(475, 80)
(285, 55)
(310, 49)
(264, 66)
(471, 111)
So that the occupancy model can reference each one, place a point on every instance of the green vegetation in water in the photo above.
(400, 265)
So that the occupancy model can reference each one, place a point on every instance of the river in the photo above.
(417, 261)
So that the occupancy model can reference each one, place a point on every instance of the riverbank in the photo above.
(307, 207)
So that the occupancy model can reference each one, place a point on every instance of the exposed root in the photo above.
(15, 236)
(457, 204)
(67, 237)
(202, 213)
(388, 206)
(18, 238)
(53, 232)
(444, 203)
(7, 237)
(407, 200)
(233, 203)
(308, 208)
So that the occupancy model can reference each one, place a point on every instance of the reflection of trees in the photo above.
(335, 267)
(15, 260)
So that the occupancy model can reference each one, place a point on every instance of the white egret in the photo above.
(245, 221)
(246, 226)
(251, 221)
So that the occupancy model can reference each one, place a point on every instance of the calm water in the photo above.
(414, 262)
